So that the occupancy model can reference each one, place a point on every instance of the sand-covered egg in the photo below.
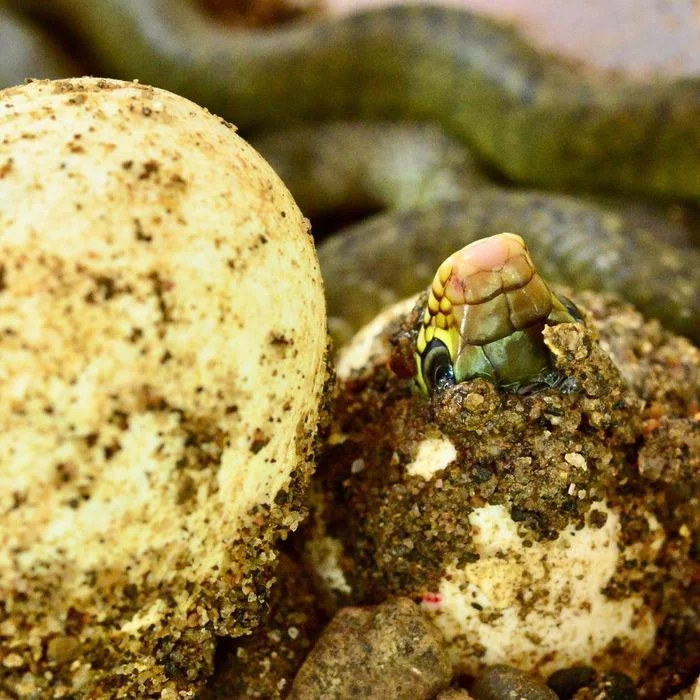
(542, 527)
(162, 361)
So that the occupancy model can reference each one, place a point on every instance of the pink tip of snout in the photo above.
(491, 253)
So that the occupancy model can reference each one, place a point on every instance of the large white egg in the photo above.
(162, 359)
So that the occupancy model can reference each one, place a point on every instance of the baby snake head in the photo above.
(486, 310)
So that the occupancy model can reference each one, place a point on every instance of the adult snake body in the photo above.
(531, 116)
(575, 243)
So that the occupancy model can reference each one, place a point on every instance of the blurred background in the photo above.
(639, 37)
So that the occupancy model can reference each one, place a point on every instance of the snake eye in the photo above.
(571, 307)
(437, 366)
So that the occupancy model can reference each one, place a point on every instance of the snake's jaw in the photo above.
(487, 306)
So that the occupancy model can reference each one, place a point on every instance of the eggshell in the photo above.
(162, 360)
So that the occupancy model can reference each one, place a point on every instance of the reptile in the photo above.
(434, 197)
(579, 244)
(532, 116)
(27, 51)
(486, 309)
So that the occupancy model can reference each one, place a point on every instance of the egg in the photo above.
(528, 525)
(162, 364)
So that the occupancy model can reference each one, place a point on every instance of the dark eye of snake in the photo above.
(437, 366)
(571, 307)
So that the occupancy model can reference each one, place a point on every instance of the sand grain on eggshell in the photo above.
(162, 334)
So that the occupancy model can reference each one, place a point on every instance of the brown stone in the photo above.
(386, 651)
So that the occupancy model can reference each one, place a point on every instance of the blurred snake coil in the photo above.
(528, 116)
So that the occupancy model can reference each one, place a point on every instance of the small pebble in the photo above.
(474, 401)
(386, 651)
(507, 683)
(567, 681)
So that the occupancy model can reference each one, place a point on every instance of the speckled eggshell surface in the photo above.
(162, 346)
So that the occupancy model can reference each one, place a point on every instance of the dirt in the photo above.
(626, 431)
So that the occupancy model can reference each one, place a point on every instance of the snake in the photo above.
(579, 244)
(486, 309)
(531, 116)
(446, 200)
(523, 117)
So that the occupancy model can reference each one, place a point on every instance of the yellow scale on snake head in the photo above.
(486, 310)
